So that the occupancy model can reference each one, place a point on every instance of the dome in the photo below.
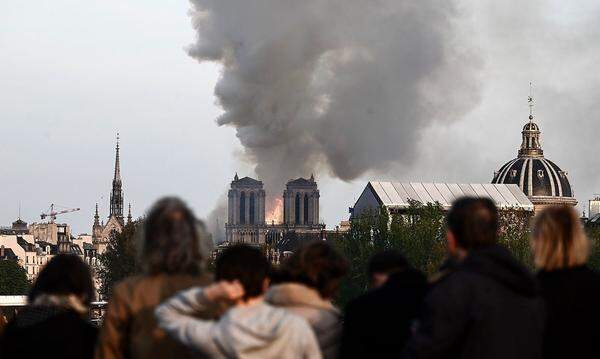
(538, 177)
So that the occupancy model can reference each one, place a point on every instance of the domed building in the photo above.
(539, 178)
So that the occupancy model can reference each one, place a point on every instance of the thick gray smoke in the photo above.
(345, 86)
(348, 84)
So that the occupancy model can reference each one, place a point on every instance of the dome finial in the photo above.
(530, 100)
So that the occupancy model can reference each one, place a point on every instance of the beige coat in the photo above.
(321, 314)
(130, 330)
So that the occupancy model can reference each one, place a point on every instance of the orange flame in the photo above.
(274, 211)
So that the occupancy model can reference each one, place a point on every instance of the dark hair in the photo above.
(247, 265)
(317, 265)
(387, 261)
(171, 242)
(64, 274)
(474, 222)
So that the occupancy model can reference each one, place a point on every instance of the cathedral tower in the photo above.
(301, 203)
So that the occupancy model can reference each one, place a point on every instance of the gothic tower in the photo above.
(301, 203)
(116, 195)
(246, 211)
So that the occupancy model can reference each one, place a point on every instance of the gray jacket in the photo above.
(321, 314)
(257, 331)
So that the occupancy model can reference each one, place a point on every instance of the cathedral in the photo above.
(101, 232)
(246, 221)
(542, 181)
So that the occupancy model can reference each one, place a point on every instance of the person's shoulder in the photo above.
(128, 284)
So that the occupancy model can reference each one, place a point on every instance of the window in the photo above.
(252, 203)
(540, 173)
(243, 208)
(297, 209)
(305, 208)
(513, 173)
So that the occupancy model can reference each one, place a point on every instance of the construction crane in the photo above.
(52, 213)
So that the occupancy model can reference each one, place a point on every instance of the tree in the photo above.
(120, 258)
(13, 278)
(419, 233)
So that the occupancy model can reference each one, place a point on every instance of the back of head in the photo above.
(559, 240)
(473, 222)
(64, 274)
(317, 265)
(171, 241)
(245, 264)
(387, 262)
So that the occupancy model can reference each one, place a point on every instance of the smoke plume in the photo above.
(348, 84)
(345, 86)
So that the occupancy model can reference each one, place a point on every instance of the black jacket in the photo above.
(377, 324)
(489, 307)
(48, 332)
(573, 313)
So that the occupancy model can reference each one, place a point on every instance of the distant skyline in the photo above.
(74, 74)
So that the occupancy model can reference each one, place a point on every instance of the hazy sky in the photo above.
(72, 74)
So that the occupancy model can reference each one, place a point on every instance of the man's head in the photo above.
(383, 264)
(245, 264)
(472, 223)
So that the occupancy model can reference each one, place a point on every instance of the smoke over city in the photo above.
(341, 86)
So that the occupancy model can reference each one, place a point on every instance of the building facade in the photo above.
(246, 212)
(397, 197)
(301, 203)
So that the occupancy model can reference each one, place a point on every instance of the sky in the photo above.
(74, 74)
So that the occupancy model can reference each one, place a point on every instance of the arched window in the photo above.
(297, 209)
(305, 208)
(252, 201)
(243, 208)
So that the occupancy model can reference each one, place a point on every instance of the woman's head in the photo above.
(171, 240)
(64, 274)
(317, 265)
(558, 239)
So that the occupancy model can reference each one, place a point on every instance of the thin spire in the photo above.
(96, 216)
(530, 101)
(117, 161)
(129, 218)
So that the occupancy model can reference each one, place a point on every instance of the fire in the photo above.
(274, 211)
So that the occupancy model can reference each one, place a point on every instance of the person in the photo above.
(55, 323)
(172, 260)
(489, 306)
(310, 279)
(570, 289)
(378, 323)
(251, 328)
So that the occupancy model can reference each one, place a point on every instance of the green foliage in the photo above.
(120, 258)
(13, 278)
(515, 233)
(419, 233)
(593, 233)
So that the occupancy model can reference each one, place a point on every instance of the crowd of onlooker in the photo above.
(482, 303)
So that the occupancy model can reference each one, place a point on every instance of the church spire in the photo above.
(116, 195)
(117, 162)
(96, 216)
(129, 218)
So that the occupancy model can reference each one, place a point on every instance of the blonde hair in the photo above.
(558, 239)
